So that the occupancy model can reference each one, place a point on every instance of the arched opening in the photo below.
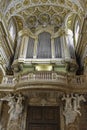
(44, 45)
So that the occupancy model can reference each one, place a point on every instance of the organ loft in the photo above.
(43, 65)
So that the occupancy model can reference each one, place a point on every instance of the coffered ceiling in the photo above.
(32, 13)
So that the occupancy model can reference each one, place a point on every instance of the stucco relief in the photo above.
(72, 107)
(15, 104)
(16, 107)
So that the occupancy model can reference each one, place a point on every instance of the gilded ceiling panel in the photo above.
(40, 12)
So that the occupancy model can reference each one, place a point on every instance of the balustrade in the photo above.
(9, 80)
(45, 76)
(78, 80)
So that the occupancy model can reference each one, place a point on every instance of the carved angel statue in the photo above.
(15, 104)
(19, 104)
(67, 99)
(11, 101)
(76, 103)
(72, 107)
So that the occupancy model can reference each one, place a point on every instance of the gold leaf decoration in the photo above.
(75, 7)
(7, 15)
(61, 1)
(19, 22)
(44, 8)
(35, 1)
(18, 6)
(37, 12)
(31, 10)
(32, 21)
(26, 2)
(44, 19)
(57, 20)
(69, 3)
(53, 1)
(51, 11)
(44, 1)
(59, 9)
(12, 10)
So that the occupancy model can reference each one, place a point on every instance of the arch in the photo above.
(12, 29)
(47, 29)
(71, 14)
(44, 45)
(77, 29)
(69, 24)
(18, 19)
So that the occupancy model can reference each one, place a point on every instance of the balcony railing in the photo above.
(45, 76)
(77, 80)
(9, 80)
